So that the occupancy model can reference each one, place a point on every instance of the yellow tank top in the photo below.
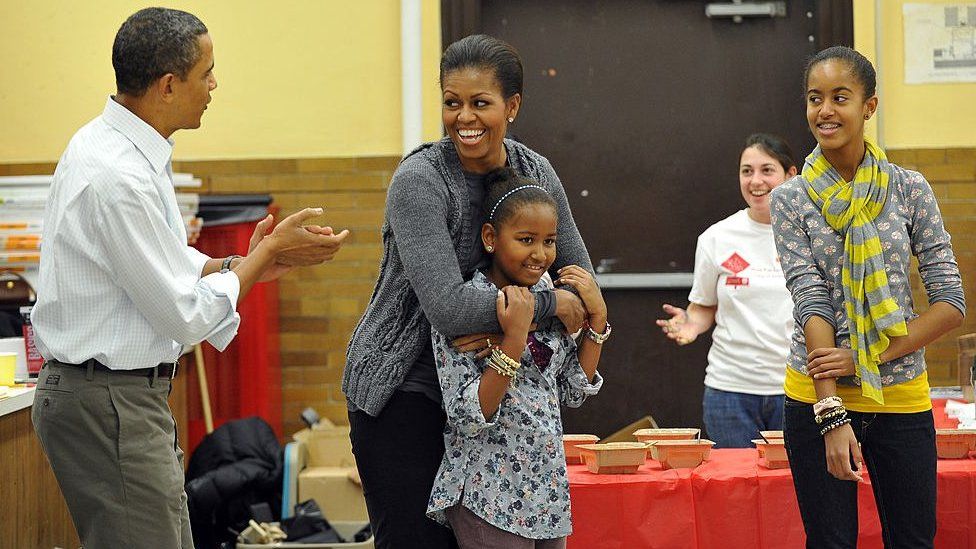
(904, 398)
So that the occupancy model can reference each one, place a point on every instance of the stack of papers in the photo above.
(22, 200)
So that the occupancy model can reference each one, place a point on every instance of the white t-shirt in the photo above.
(736, 268)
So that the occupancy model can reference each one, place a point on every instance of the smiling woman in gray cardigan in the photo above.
(431, 246)
(427, 257)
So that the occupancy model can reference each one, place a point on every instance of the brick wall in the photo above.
(952, 174)
(319, 306)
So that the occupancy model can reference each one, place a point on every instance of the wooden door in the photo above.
(642, 107)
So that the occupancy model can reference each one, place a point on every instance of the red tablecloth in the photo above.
(732, 501)
(942, 421)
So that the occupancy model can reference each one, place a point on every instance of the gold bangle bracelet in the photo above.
(500, 355)
(501, 368)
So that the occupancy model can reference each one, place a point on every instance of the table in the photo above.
(32, 511)
(732, 501)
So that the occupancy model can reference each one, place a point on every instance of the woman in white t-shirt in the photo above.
(739, 287)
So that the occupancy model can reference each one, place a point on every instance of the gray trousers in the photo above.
(111, 440)
(473, 532)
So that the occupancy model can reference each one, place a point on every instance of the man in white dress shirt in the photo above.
(120, 293)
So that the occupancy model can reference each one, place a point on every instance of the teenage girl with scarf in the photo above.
(846, 230)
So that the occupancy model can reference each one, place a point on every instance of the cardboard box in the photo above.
(327, 446)
(626, 434)
(335, 492)
(328, 473)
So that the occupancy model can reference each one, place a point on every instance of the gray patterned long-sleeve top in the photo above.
(811, 253)
(510, 470)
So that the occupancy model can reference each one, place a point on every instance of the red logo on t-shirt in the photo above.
(736, 264)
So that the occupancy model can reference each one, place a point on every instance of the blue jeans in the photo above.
(899, 452)
(733, 420)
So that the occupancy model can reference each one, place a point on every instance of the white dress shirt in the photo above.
(117, 281)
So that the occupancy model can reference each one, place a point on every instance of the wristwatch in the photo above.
(598, 338)
(225, 266)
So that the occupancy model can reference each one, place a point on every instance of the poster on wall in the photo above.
(940, 43)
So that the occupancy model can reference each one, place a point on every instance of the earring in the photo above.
(489, 249)
(867, 116)
(511, 119)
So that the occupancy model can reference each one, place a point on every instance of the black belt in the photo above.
(165, 370)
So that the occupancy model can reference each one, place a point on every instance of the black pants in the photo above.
(398, 454)
(899, 452)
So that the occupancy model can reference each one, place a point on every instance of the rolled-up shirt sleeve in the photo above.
(460, 377)
(932, 246)
(160, 276)
(197, 258)
(227, 285)
(805, 281)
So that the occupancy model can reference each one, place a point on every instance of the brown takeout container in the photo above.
(613, 458)
(571, 447)
(652, 435)
(649, 435)
(681, 454)
(955, 443)
(772, 454)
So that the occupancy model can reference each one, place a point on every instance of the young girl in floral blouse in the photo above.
(502, 482)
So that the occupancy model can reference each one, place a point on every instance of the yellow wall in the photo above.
(916, 115)
(314, 78)
(321, 78)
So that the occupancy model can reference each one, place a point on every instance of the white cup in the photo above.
(16, 345)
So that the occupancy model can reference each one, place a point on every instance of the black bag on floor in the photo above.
(236, 466)
(308, 525)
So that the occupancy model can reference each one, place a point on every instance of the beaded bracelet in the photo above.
(502, 363)
(597, 337)
(826, 403)
(833, 425)
(830, 417)
(831, 413)
(501, 369)
(497, 353)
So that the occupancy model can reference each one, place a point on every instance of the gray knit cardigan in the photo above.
(424, 255)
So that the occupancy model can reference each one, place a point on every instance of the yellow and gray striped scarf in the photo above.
(850, 209)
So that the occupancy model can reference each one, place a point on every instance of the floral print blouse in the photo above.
(509, 470)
